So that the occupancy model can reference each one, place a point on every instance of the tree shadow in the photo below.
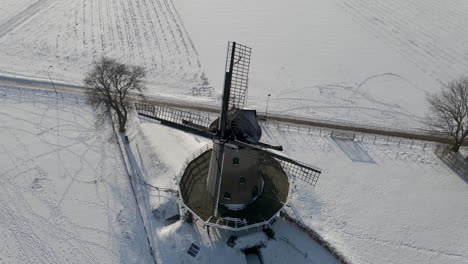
(455, 161)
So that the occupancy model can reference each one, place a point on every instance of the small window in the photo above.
(241, 180)
(235, 161)
(227, 196)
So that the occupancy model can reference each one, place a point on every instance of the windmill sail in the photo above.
(172, 116)
(238, 66)
(293, 168)
(300, 171)
(237, 183)
(235, 88)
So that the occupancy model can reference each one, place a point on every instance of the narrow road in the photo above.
(414, 135)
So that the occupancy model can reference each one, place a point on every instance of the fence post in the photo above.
(375, 137)
(424, 148)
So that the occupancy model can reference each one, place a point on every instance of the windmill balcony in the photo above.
(268, 201)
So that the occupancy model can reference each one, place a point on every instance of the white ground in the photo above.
(370, 62)
(64, 193)
(69, 35)
(381, 203)
(363, 61)
(149, 147)
(376, 203)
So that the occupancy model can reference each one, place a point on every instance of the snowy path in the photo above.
(64, 195)
(359, 61)
(297, 122)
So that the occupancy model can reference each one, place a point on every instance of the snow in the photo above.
(10, 8)
(160, 154)
(403, 206)
(366, 62)
(69, 35)
(65, 196)
(376, 201)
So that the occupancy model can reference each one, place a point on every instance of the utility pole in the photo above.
(53, 85)
(266, 110)
(58, 123)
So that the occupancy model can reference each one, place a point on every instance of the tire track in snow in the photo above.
(422, 34)
(157, 41)
(33, 231)
(136, 31)
(20, 18)
(415, 41)
(126, 28)
(164, 33)
(120, 34)
(386, 242)
(109, 31)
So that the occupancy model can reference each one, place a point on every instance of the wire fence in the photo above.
(173, 115)
(455, 161)
(352, 136)
(289, 242)
(36, 95)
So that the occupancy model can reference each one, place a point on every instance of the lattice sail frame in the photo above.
(173, 115)
(240, 73)
(303, 173)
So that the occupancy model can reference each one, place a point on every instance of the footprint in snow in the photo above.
(37, 183)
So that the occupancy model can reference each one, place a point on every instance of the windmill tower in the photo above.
(237, 184)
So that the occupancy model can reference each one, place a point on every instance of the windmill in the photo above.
(240, 182)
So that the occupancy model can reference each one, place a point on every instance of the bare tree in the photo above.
(449, 111)
(110, 83)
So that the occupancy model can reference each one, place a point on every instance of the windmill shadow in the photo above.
(353, 149)
(455, 161)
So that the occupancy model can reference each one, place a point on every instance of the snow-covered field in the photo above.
(362, 61)
(64, 193)
(376, 202)
(69, 35)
